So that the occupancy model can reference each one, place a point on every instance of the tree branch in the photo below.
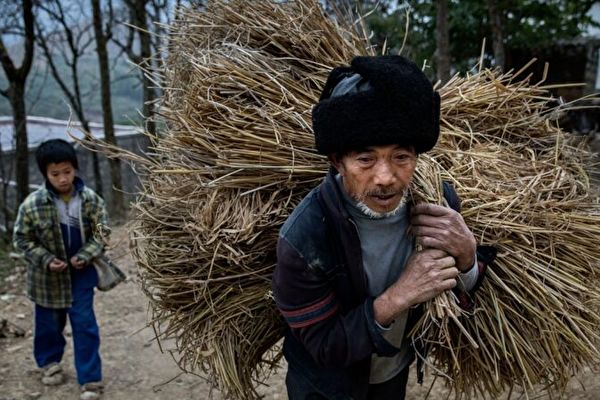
(127, 47)
(48, 55)
(7, 64)
(110, 21)
(13, 73)
(29, 39)
(36, 98)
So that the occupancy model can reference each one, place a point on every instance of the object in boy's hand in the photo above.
(77, 263)
(57, 265)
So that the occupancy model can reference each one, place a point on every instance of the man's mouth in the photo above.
(376, 204)
(384, 200)
(384, 196)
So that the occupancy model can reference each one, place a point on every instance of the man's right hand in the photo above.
(57, 265)
(427, 273)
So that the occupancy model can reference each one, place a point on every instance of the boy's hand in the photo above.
(77, 263)
(57, 265)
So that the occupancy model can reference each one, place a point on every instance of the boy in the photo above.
(56, 230)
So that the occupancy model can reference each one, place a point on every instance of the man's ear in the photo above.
(337, 163)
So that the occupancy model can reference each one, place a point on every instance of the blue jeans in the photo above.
(49, 342)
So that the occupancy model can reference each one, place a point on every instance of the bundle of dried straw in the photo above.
(237, 156)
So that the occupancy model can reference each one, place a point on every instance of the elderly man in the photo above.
(348, 279)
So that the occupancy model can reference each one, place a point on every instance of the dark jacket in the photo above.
(321, 290)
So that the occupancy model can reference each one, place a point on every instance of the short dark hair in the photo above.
(55, 151)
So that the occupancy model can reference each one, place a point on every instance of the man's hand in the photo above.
(77, 263)
(57, 265)
(427, 273)
(442, 228)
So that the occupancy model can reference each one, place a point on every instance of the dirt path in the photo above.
(133, 366)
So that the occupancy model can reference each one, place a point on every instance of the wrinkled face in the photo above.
(378, 176)
(61, 176)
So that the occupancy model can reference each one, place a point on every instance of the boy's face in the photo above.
(61, 176)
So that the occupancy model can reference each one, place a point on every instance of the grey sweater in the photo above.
(386, 246)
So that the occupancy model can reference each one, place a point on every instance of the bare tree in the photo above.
(69, 37)
(17, 78)
(8, 213)
(497, 26)
(442, 40)
(140, 37)
(138, 46)
(102, 36)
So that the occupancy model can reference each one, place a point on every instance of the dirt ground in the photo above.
(133, 366)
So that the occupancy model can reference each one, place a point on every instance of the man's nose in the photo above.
(384, 175)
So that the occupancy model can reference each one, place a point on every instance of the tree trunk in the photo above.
(6, 211)
(148, 108)
(17, 101)
(146, 62)
(497, 27)
(95, 162)
(591, 68)
(17, 77)
(442, 34)
(117, 203)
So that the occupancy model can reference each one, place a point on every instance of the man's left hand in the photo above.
(443, 228)
(77, 263)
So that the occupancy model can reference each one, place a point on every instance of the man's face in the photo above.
(378, 176)
(61, 176)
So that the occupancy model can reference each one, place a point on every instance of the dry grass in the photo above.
(525, 189)
(238, 155)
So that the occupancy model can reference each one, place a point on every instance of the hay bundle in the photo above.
(238, 156)
(526, 190)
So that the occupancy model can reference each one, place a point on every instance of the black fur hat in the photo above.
(394, 103)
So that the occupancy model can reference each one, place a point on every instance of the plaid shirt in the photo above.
(38, 237)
